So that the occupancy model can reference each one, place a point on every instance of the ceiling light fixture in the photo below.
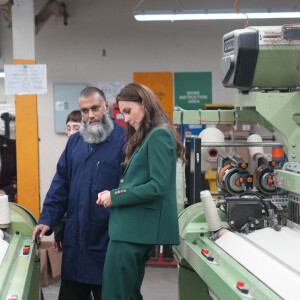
(221, 14)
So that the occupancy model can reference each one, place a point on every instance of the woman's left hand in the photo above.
(104, 199)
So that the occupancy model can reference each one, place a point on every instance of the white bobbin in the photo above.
(4, 211)
(213, 220)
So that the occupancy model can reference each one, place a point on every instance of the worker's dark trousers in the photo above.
(124, 270)
(78, 291)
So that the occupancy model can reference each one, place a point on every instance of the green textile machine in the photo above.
(257, 256)
(20, 267)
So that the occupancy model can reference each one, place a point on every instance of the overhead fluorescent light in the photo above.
(2, 74)
(221, 14)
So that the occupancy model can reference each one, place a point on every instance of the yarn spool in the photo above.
(213, 220)
(255, 138)
(4, 212)
(213, 135)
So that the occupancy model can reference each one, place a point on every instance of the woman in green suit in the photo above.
(143, 207)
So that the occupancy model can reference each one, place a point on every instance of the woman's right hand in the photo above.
(104, 199)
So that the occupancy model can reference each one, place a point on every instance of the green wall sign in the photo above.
(192, 89)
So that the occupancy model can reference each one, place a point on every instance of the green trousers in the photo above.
(124, 270)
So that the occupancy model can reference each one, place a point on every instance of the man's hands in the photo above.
(39, 232)
(57, 247)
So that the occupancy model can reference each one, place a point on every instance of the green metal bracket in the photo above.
(287, 180)
(277, 112)
(198, 117)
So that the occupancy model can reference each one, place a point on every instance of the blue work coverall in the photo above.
(83, 171)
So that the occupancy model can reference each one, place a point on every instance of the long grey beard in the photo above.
(96, 134)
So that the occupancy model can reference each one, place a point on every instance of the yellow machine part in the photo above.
(211, 177)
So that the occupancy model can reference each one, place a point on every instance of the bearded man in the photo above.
(90, 164)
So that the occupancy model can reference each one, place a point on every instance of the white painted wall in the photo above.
(73, 53)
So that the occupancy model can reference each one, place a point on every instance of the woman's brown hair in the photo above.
(154, 117)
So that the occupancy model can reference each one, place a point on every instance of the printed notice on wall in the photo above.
(192, 89)
(110, 89)
(25, 79)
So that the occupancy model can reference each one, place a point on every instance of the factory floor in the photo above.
(160, 283)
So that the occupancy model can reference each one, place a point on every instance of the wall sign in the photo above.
(192, 89)
(25, 79)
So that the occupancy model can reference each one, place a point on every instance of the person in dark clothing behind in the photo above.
(90, 163)
(8, 169)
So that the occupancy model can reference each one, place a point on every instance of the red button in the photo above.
(25, 250)
(205, 251)
(240, 284)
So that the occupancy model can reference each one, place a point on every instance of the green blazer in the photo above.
(144, 208)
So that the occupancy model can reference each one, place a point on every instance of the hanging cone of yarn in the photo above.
(214, 135)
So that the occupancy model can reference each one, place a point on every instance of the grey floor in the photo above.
(160, 283)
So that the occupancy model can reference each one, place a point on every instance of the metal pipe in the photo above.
(232, 144)
(229, 137)
(264, 138)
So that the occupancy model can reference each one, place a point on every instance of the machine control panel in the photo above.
(252, 56)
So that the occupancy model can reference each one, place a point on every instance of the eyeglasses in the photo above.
(73, 129)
